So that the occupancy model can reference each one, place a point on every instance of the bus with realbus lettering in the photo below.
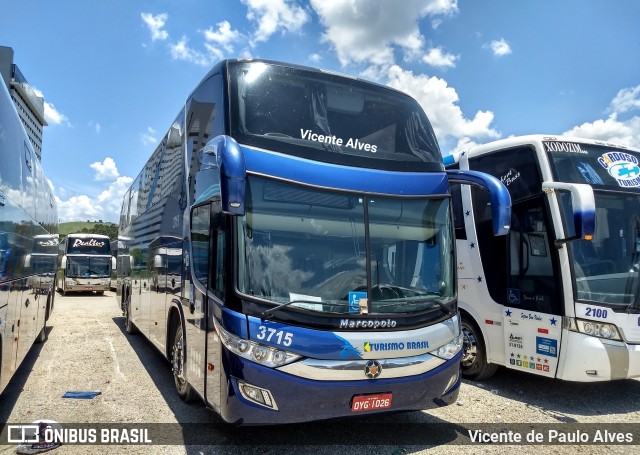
(289, 247)
(28, 243)
(85, 263)
(559, 295)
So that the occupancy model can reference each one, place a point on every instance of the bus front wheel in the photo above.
(474, 356)
(129, 325)
(184, 389)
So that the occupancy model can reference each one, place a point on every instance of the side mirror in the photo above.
(583, 208)
(63, 263)
(498, 195)
(113, 263)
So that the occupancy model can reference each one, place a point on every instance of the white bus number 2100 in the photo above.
(278, 336)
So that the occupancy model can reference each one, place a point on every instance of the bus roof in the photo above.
(527, 139)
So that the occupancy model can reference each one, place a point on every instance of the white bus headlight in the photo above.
(264, 355)
(449, 350)
(603, 330)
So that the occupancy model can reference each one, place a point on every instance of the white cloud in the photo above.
(611, 130)
(224, 36)
(436, 57)
(365, 32)
(106, 170)
(439, 102)
(51, 114)
(627, 99)
(315, 58)
(156, 25)
(79, 208)
(500, 47)
(105, 206)
(95, 125)
(180, 51)
(273, 16)
(149, 137)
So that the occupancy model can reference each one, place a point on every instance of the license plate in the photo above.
(371, 402)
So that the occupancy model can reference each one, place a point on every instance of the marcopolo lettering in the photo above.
(91, 242)
(367, 323)
(563, 147)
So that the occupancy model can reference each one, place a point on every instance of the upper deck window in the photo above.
(88, 245)
(330, 118)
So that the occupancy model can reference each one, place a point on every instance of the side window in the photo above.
(200, 219)
(517, 168)
(218, 229)
(458, 211)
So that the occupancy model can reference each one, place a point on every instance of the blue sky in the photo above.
(115, 73)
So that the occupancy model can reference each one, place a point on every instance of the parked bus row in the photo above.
(298, 249)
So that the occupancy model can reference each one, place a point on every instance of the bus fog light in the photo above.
(257, 395)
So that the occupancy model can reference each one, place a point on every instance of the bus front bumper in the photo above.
(594, 359)
(303, 400)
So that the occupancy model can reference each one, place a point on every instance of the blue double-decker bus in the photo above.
(313, 270)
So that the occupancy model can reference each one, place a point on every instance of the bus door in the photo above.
(208, 246)
(533, 308)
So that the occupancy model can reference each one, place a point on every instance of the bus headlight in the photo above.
(597, 329)
(449, 350)
(264, 355)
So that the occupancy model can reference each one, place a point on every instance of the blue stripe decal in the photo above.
(318, 344)
(344, 177)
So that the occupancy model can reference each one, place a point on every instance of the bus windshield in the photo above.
(605, 269)
(312, 247)
(88, 266)
(320, 116)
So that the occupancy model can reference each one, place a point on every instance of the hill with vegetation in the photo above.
(89, 227)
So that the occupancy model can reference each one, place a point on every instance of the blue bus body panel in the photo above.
(343, 177)
(304, 400)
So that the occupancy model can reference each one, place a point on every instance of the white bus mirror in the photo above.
(63, 263)
(583, 208)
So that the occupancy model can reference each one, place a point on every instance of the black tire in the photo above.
(184, 389)
(129, 326)
(100, 292)
(474, 356)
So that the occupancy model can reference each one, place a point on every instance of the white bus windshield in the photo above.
(316, 115)
(605, 268)
(310, 246)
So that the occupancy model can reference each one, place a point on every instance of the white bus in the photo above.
(558, 296)
(85, 263)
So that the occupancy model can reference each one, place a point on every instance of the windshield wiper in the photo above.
(444, 307)
(267, 313)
